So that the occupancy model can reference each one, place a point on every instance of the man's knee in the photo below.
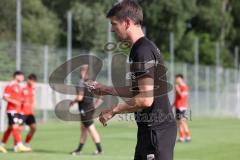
(33, 128)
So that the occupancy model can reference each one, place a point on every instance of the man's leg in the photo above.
(31, 122)
(145, 145)
(16, 129)
(30, 134)
(5, 139)
(94, 134)
(83, 139)
(186, 129)
(179, 117)
(6, 135)
(137, 155)
(181, 130)
(165, 143)
(88, 122)
(7, 132)
(95, 137)
(9, 129)
(16, 134)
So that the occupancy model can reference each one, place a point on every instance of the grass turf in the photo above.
(213, 139)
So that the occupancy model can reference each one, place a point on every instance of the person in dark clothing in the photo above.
(153, 113)
(86, 106)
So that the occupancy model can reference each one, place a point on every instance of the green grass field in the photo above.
(213, 139)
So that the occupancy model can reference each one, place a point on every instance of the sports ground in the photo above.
(213, 139)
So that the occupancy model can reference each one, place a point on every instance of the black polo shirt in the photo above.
(146, 61)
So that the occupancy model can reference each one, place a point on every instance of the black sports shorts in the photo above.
(86, 115)
(29, 119)
(15, 118)
(180, 114)
(155, 144)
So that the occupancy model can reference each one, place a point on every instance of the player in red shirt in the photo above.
(13, 96)
(28, 92)
(181, 105)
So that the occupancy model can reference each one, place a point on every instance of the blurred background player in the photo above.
(85, 104)
(13, 96)
(181, 105)
(28, 92)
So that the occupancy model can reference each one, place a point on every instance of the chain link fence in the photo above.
(214, 91)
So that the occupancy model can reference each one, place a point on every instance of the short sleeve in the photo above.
(144, 54)
(143, 63)
(7, 91)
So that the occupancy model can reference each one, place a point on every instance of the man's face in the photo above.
(119, 28)
(31, 82)
(178, 80)
(19, 78)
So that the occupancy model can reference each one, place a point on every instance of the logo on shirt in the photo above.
(150, 157)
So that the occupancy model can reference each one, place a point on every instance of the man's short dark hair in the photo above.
(16, 73)
(179, 76)
(32, 77)
(127, 8)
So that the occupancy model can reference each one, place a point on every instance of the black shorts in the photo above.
(86, 115)
(180, 114)
(29, 119)
(156, 144)
(15, 118)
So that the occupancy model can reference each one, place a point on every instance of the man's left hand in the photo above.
(106, 115)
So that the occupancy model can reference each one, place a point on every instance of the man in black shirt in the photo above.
(156, 125)
(86, 106)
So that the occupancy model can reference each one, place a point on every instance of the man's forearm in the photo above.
(106, 90)
(133, 105)
(121, 92)
(11, 101)
(179, 91)
(98, 102)
(125, 108)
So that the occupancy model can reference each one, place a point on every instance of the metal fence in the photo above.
(214, 91)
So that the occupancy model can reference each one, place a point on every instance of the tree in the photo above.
(185, 50)
(163, 16)
(90, 26)
(45, 21)
(39, 25)
(7, 60)
(234, 37)
(212, 18)
(61, 7)
(8, 20)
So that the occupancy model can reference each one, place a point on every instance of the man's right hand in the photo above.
(17, 103)
(13, 101)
